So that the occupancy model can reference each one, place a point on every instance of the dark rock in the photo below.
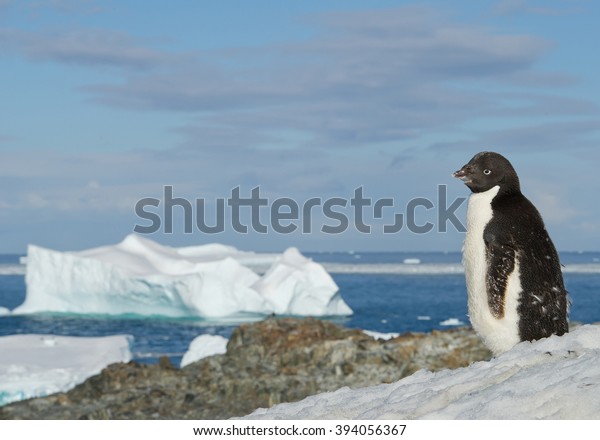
(270, 362)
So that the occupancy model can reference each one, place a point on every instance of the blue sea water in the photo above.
(381, 302)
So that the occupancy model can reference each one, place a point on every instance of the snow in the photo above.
(378, 335)
(4, 311)
(38, 365)
(554, 378)
(204, 346)
(140, 276)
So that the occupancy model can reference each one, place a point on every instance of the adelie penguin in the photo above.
(514, 280)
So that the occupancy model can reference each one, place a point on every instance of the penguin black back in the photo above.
(518, 228)
(514, 240)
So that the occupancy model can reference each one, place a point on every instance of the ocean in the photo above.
(385, 291)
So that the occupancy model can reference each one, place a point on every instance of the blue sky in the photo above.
(104, 103)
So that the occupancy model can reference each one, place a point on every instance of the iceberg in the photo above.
(553, 378)
(39, 365)
(204, 346)
(298, 285)
(140, 276)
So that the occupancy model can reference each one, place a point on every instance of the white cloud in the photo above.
(554, 208)
(86, 47)
(511, 7)
(368, 92)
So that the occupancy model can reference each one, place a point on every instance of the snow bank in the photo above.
(555, 378)
(142, 277)
(204, 346)
(38, 365)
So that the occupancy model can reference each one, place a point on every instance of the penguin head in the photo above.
(486, 170)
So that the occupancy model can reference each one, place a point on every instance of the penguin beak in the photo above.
(463, 174)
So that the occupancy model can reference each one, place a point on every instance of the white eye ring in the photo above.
(487, 172)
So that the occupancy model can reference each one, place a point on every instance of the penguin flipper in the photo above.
(500, 257)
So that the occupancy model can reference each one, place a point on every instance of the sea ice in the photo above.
(452, 321)
(383, 336)
(4, 311)
(140, 276)
(204, 346)
(553, 378)
(38, 365)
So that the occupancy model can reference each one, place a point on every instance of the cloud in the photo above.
(555, 206)
(512, 7)
(530, 104)
(366, 77)
(66, 6)
(393, 100)
(566, 137)
(86, 47)
(547, 136)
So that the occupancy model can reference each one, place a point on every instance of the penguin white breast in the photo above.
(499, 334)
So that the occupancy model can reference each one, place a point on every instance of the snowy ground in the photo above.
(555, 378)
(38, 365)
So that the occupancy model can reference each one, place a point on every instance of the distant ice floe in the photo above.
(396, 268)
(430, 268)
(39, 365)
(204, 346)
(140, 276)
(452, 321)
(12, 269)
(260, 263)
(4, 311)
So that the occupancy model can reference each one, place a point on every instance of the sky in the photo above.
(106, 103)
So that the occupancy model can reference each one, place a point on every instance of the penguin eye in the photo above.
(487, 172)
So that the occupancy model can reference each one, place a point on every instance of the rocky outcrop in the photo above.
(274, 361)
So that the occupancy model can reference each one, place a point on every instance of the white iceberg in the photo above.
(295, 285)
(139, 276)
(204, 346)
(554, 378)
(38, 365)
(4, 311)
